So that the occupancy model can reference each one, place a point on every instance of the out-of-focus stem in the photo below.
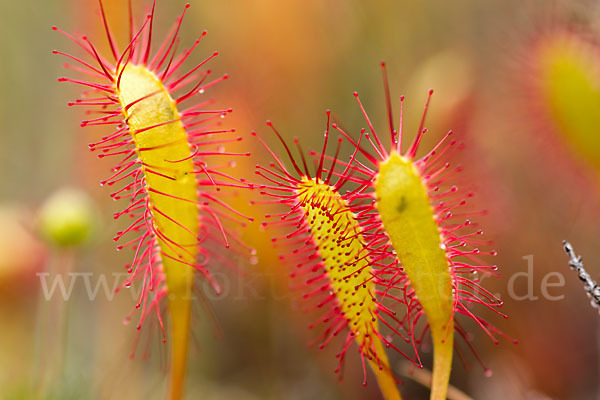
(52, 327)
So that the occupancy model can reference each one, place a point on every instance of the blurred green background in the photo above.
(289, 61)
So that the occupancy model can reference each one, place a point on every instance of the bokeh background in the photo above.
(289, 61)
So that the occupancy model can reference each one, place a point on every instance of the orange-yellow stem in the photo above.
(385, 377)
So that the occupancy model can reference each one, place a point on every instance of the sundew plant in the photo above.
(411, 213)
(326, 251)
(562, 91)
(168, 148)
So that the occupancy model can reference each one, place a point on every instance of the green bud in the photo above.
(67, 218)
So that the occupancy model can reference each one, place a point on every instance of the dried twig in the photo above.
(590, 286)
(424, 377)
